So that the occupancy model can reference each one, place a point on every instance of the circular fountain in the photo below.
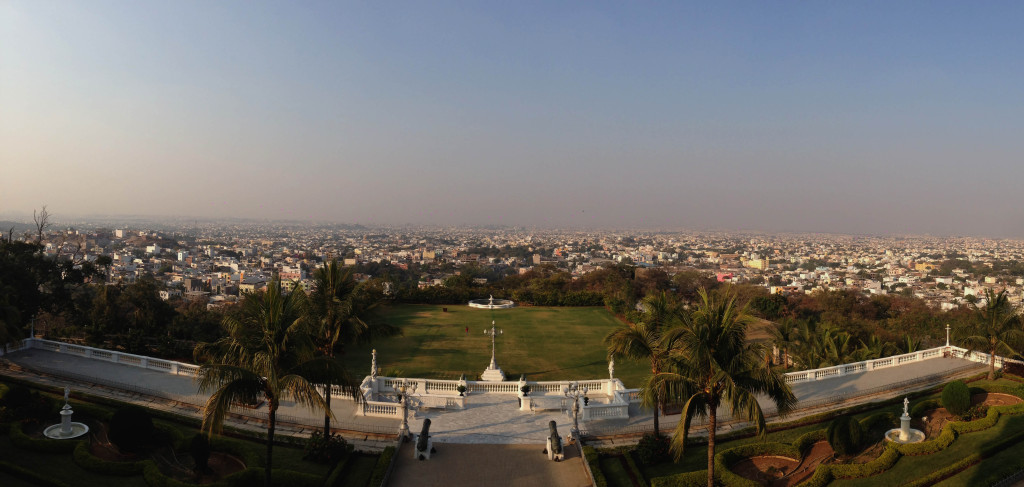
(66, 429)
(492, 303)
(905, 434)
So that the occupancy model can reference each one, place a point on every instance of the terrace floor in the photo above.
(492, 418)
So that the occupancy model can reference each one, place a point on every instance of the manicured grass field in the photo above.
(545, 343)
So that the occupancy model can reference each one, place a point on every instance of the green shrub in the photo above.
(131, 429)
(922, 407)
(21, 403)
(652, 449)
(956, 398)
(845, 436)
(85, 459)
(29, 475)
(381, 469)
(822, 477)
(329, 450)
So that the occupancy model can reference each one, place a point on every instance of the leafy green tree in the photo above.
(711, 364)
(642, 341)
(997, 332)
(267, 355)
(337, 315)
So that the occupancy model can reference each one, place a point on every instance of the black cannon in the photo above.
(554, 443)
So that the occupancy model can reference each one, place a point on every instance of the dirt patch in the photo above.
(994, 399)
(766, 470)
(778, 471)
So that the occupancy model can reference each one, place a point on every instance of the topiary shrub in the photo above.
(845, 435)
(956, 398)
(131, 429)
(23, 404)
(200, 450)
(327, 450)
(652, 449)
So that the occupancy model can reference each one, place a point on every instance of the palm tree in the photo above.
(784, 337)
(909, 345)
(266, 355)
(641, 341)
(712, 364)
(997, 332)
(336, 315)
(873, 348)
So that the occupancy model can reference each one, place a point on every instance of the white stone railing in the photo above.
(604, 411)
(865, 366)
(980, 357)
(141, 361)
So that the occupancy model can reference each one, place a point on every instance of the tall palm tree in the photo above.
(641, 341)
(266, 355)
(997, 332)
(337, 317)
(712, 364)
(784, 338)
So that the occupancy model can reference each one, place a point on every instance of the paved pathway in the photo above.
(490, 465)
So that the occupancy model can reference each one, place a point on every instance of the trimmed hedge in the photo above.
(884, 462)
(956, 398)
(85, 459)
(687, 479)
(334, 478)
(727, 458)
(592, 458)
(920, 408)
(928, 447)
(845, 435)
(42, 445)
(964, 463)
(381, 469)
(807, 440)
(631, 463)
(30, 476)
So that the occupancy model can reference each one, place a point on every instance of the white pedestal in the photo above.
(426, 454)
(494, 374)
(905, 427)
(525, 403)
(555, 456)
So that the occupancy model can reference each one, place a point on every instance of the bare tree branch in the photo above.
(42, 221)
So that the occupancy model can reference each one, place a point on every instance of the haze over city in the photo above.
(825, 117)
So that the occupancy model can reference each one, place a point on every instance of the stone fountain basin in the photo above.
(914, 436)
(54, 432)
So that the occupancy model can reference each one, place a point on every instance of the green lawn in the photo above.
(545, 343)
(990, 470)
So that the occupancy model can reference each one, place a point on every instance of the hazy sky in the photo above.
(853, 117)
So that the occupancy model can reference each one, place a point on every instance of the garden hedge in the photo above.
(592, 458)
(686, 479)
(956, 398)
(381, 469)
(85, 459)
(30, 476)
(42, 445)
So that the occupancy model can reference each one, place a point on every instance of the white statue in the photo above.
(611, 366)
(67, 392)
(906, 404)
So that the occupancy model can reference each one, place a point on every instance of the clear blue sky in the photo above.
(854, 117)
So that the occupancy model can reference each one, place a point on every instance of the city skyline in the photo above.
(865, 118)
